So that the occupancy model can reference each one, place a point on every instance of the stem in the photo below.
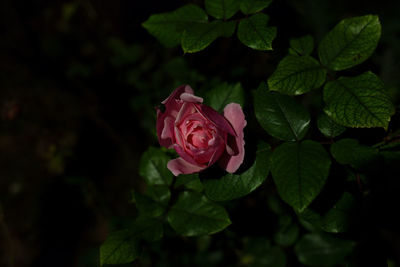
(358, 179)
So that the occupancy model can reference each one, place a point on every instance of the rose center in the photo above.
(199, 137)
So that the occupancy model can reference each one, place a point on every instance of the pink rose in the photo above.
(199, 134)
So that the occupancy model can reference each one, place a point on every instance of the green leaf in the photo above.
(253, 6)
(310, 220)
(350, 43)
(159, 194)
(168, 27)
(337, 219)
(153, 167)
(276, 205)
(259, 252)
(189, 181)
(233, 186)
(359, 102)
(302, 46)
(349, 151)
(390, 148)
(224, 94)
(154, 202)
(328, 127)
(318, 249)
(390, 152)
(300, 171)
(123, 246)
(222, 9)
(280, 115)
(119, 248)
(254, 33)
(201, 35)
(193, 214)
(296, 75)
(287, 233)
(148, 207)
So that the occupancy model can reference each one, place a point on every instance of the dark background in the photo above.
(79, 81)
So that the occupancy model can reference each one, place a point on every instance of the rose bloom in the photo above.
(199, 134)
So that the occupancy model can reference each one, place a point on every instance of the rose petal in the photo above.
(176, 94)
(217, 154)
(168, 131)
(160, 125)
(219, 121)
(180, 166)
(188, 97)
(234, 114)
(186, 109)
(181, 152)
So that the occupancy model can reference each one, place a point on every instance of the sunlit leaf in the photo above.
(360, 102)
(350, 43)
(297, 75)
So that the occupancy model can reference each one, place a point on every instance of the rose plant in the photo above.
(303, 118)
(199, 134)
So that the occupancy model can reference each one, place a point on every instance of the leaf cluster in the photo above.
(299, 163)
(191, 27)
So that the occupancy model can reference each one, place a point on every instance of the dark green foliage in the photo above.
(299, 130)
(349, 151)
(224, 94)
(233, 186)
(254, 33)
(189, 25)
(222, 9)
(297, 75)
(318, 249)
(328, 127)
(193, 214)
(300, 170)
(253, 6)
(201, 35)
(350, 43)
(168, 27)
(123, 246)
(360, 101)
(280, 115)
(302, 46)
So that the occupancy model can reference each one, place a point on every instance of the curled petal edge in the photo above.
(234, 114)
(180, 166)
